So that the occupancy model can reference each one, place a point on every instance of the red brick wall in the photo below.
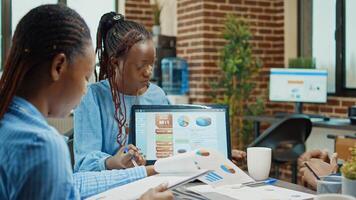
(139, 11)
(335, 107)
(199, 39)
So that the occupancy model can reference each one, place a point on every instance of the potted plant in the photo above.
(302, 62)
(235, 85)
(156, 11)
(348, 171)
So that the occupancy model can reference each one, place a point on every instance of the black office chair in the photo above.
(287, 139)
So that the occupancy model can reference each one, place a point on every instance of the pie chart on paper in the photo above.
(227, 169)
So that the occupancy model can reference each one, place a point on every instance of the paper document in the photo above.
(135, 189)
(254, 193)
(208, 166)
(181, 163)
(224, 171)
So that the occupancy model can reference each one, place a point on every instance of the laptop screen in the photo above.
(163, 131)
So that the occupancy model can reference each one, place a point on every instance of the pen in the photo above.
(311, 170)
(267, 182)
(132, 159)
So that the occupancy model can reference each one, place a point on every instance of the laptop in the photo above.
(160, 131)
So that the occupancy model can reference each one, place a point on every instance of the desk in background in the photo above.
(333, 123)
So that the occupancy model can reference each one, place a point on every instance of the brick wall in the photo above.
(199, 39)
(335, 107)
(139, 11)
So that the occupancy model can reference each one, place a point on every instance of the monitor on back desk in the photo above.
(298, 85)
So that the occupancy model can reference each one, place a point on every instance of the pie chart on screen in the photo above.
(202, 152)
(203, 121)
(183, 121)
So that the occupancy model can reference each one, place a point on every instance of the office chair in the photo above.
(287, 139)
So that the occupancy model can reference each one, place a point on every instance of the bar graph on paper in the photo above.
(212, 177)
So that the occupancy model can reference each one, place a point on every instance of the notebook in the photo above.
(161, 131)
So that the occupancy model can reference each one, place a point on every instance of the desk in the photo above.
(333, 123)
(179, 193)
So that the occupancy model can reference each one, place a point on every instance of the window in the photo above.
(350, 44)
(333, 43)
(13, 11)
(21, 7)
(323, 47)
(92, 12)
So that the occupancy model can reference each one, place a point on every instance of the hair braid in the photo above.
(42, 33)
(115, 37)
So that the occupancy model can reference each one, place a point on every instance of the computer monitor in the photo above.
(298, 85)
(165, 130)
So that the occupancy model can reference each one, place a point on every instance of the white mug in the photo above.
(259, 162)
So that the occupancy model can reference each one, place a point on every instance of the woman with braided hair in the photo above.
(45, 75)
(126, 55)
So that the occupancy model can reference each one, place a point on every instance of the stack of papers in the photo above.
(223, 171)
(135, 189)
(253, 193)
(210, 167)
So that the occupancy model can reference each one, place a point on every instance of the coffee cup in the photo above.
(259, 162)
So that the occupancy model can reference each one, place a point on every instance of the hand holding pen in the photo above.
(133, 160)
(125, 158)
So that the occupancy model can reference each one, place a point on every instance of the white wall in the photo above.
(318, 139)
(121, 6)
(169, 17)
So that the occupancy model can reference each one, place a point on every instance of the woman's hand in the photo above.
(150, 170)
(158, 193)
(122, 159)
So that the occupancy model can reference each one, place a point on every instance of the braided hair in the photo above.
(115, 37)
(41, 34)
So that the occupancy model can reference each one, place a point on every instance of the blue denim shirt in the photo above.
(95, 129)
(35, 163)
